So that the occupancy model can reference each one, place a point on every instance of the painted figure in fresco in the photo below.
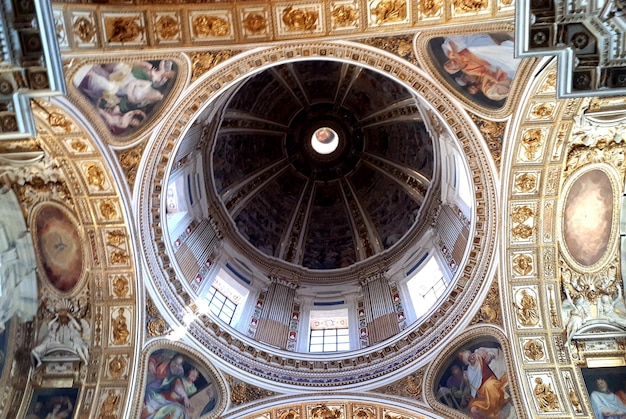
(487, 390)
(605, 404)
(481, 63)
(175, 389)
(61, 410)
(457, 391)
(124, 94)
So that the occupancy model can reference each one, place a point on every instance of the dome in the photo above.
(316, 208)
(326, 209)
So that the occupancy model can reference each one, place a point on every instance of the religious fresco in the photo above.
(177, 387)
(52, 403)
(474, 381)
(606, 388)
(59, 247)
(587, 217)
(126, 94)
(480, 67)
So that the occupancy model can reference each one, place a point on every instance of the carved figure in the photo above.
(546, 398)
(527, 311)
(120, 328)
(108, 410)
(63, 333)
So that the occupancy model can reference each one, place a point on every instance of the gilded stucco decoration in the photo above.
(155, 324)
(490, 311)
(300, 19)
(232, 22)
(345, 15)
(523, 222)
(167, 28)
(409, 386)
(493, 132)
(544, 394)
(534, 349)
(388, 11)
(210, 26)
(401, 45)
(336, 409)
(129, 161)
(255, 22)
(526, 307)
(110, 405)
(532, 144)
(242, 392)
(84, 28)
(68, 345)
(202, 62)
(526, 183)
(124, 29)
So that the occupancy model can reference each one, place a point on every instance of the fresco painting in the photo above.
(177, 388)
(52, 403)
(480, 67)
(607, 391)
(474, 381)
(588, 215)
(59, 247)
(126, 95)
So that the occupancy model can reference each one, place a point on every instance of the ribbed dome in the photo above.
(321, 211)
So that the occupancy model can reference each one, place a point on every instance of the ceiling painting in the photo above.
(60, 246)
(124, 98)
(588, 217)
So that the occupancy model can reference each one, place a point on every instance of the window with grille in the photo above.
(220, 305)
(329, 331)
